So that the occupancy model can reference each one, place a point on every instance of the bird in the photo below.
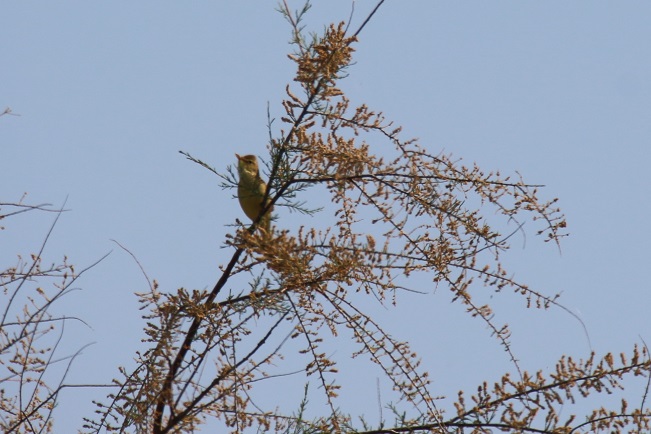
(251, 189)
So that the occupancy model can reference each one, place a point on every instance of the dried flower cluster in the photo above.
(30, 335)
(407, 212)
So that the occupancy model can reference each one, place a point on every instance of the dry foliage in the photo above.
(32, 372)
(408, 212)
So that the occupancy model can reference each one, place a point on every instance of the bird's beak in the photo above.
(238, 157)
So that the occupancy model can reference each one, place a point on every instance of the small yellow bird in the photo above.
(251, 189)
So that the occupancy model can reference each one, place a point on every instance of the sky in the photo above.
(106, 94)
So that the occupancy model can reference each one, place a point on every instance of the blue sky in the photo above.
(108, 93)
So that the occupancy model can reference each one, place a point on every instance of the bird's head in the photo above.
(247, 164)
